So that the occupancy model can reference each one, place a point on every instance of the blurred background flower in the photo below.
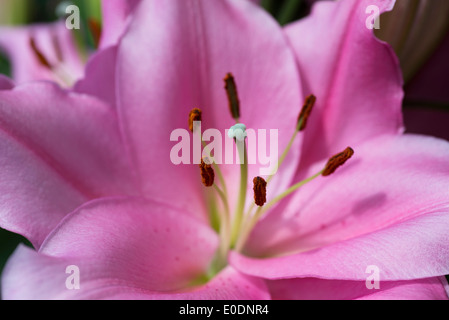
(21, 16)
(418, 31)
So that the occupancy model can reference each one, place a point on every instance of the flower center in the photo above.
(234, 229)
(58, 68)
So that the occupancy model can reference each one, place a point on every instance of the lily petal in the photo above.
(124, 242)
(5, 83)
(227, 285)
(318, 289)
(21, 276)
(420, 243)
(356, 78)
(99, 79)
(58, 149)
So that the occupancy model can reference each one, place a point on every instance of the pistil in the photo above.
(238, 133)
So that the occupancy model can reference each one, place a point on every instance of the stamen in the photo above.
(95, 30)
(300, 126)
(252, 220)
(207, 173)
(194, 115)
(57, 69)
(57, 47)
(233, 97)
(260, 191)
(40, 56)
(305, 112)
(337, 161)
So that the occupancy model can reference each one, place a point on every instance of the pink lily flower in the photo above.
(42, 52)
(48, 51)
(91, 183)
